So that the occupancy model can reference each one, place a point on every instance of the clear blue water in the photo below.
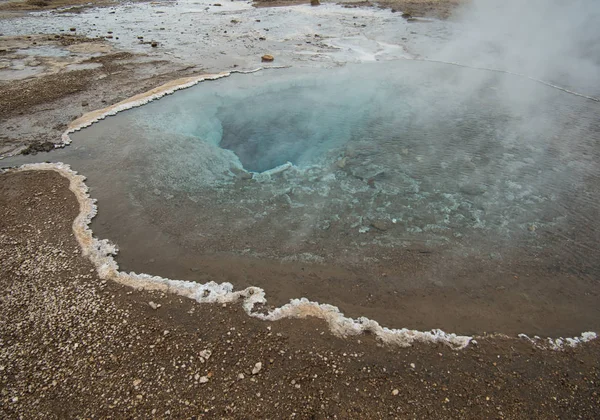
(471, 165)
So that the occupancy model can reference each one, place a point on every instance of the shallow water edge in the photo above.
(101, 252)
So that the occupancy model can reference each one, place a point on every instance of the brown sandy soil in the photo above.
(74, 346)
(36, 110)
(28, 5)
(429, 8)
(440, 9)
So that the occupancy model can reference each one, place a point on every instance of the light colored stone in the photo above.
(257, 368)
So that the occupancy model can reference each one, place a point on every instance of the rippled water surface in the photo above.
(410, 175)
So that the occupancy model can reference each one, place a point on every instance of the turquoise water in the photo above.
(440, 152)
(490, 173)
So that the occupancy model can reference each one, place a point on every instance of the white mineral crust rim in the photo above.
(100, 252)
(143, 98)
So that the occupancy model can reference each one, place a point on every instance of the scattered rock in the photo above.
(315, 3)
(36, 147)
(205, 354)
(154, 44)
(137, 382)
(380, 224)
(217, 4)
(72, 29)
(246, 175)
(472, 189)
(241, 376)
(257, 367)
(203, 380)
(153, 305)
(84, 103)
(395, 392)
(342, 163)
(267, 58)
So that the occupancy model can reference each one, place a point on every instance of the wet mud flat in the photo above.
(54, 59)
(432, 227)
(73, 345)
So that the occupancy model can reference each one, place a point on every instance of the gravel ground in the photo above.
(57, 64)
(37, 109)
(439, 9)
(74, 346)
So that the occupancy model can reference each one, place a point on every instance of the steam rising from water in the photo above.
(552, 40)
(384, 156)
(400, 148)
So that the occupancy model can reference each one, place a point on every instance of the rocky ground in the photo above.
(439, 9)
(72, 345)
(36, 110)
(76, 58)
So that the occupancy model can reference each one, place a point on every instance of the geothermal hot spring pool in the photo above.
(417, 194)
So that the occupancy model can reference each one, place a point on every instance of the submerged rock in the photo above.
(472, 189)
(381, 224)
(341, 163)
(36, 147)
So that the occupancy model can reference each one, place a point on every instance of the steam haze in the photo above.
(553, 40)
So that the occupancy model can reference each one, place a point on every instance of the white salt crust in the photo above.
(91, 117)
(170, 87)
(100, 253)
(559, 343)
(143, 98)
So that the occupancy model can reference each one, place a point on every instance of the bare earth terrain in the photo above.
(73, 346)
(36, 110)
